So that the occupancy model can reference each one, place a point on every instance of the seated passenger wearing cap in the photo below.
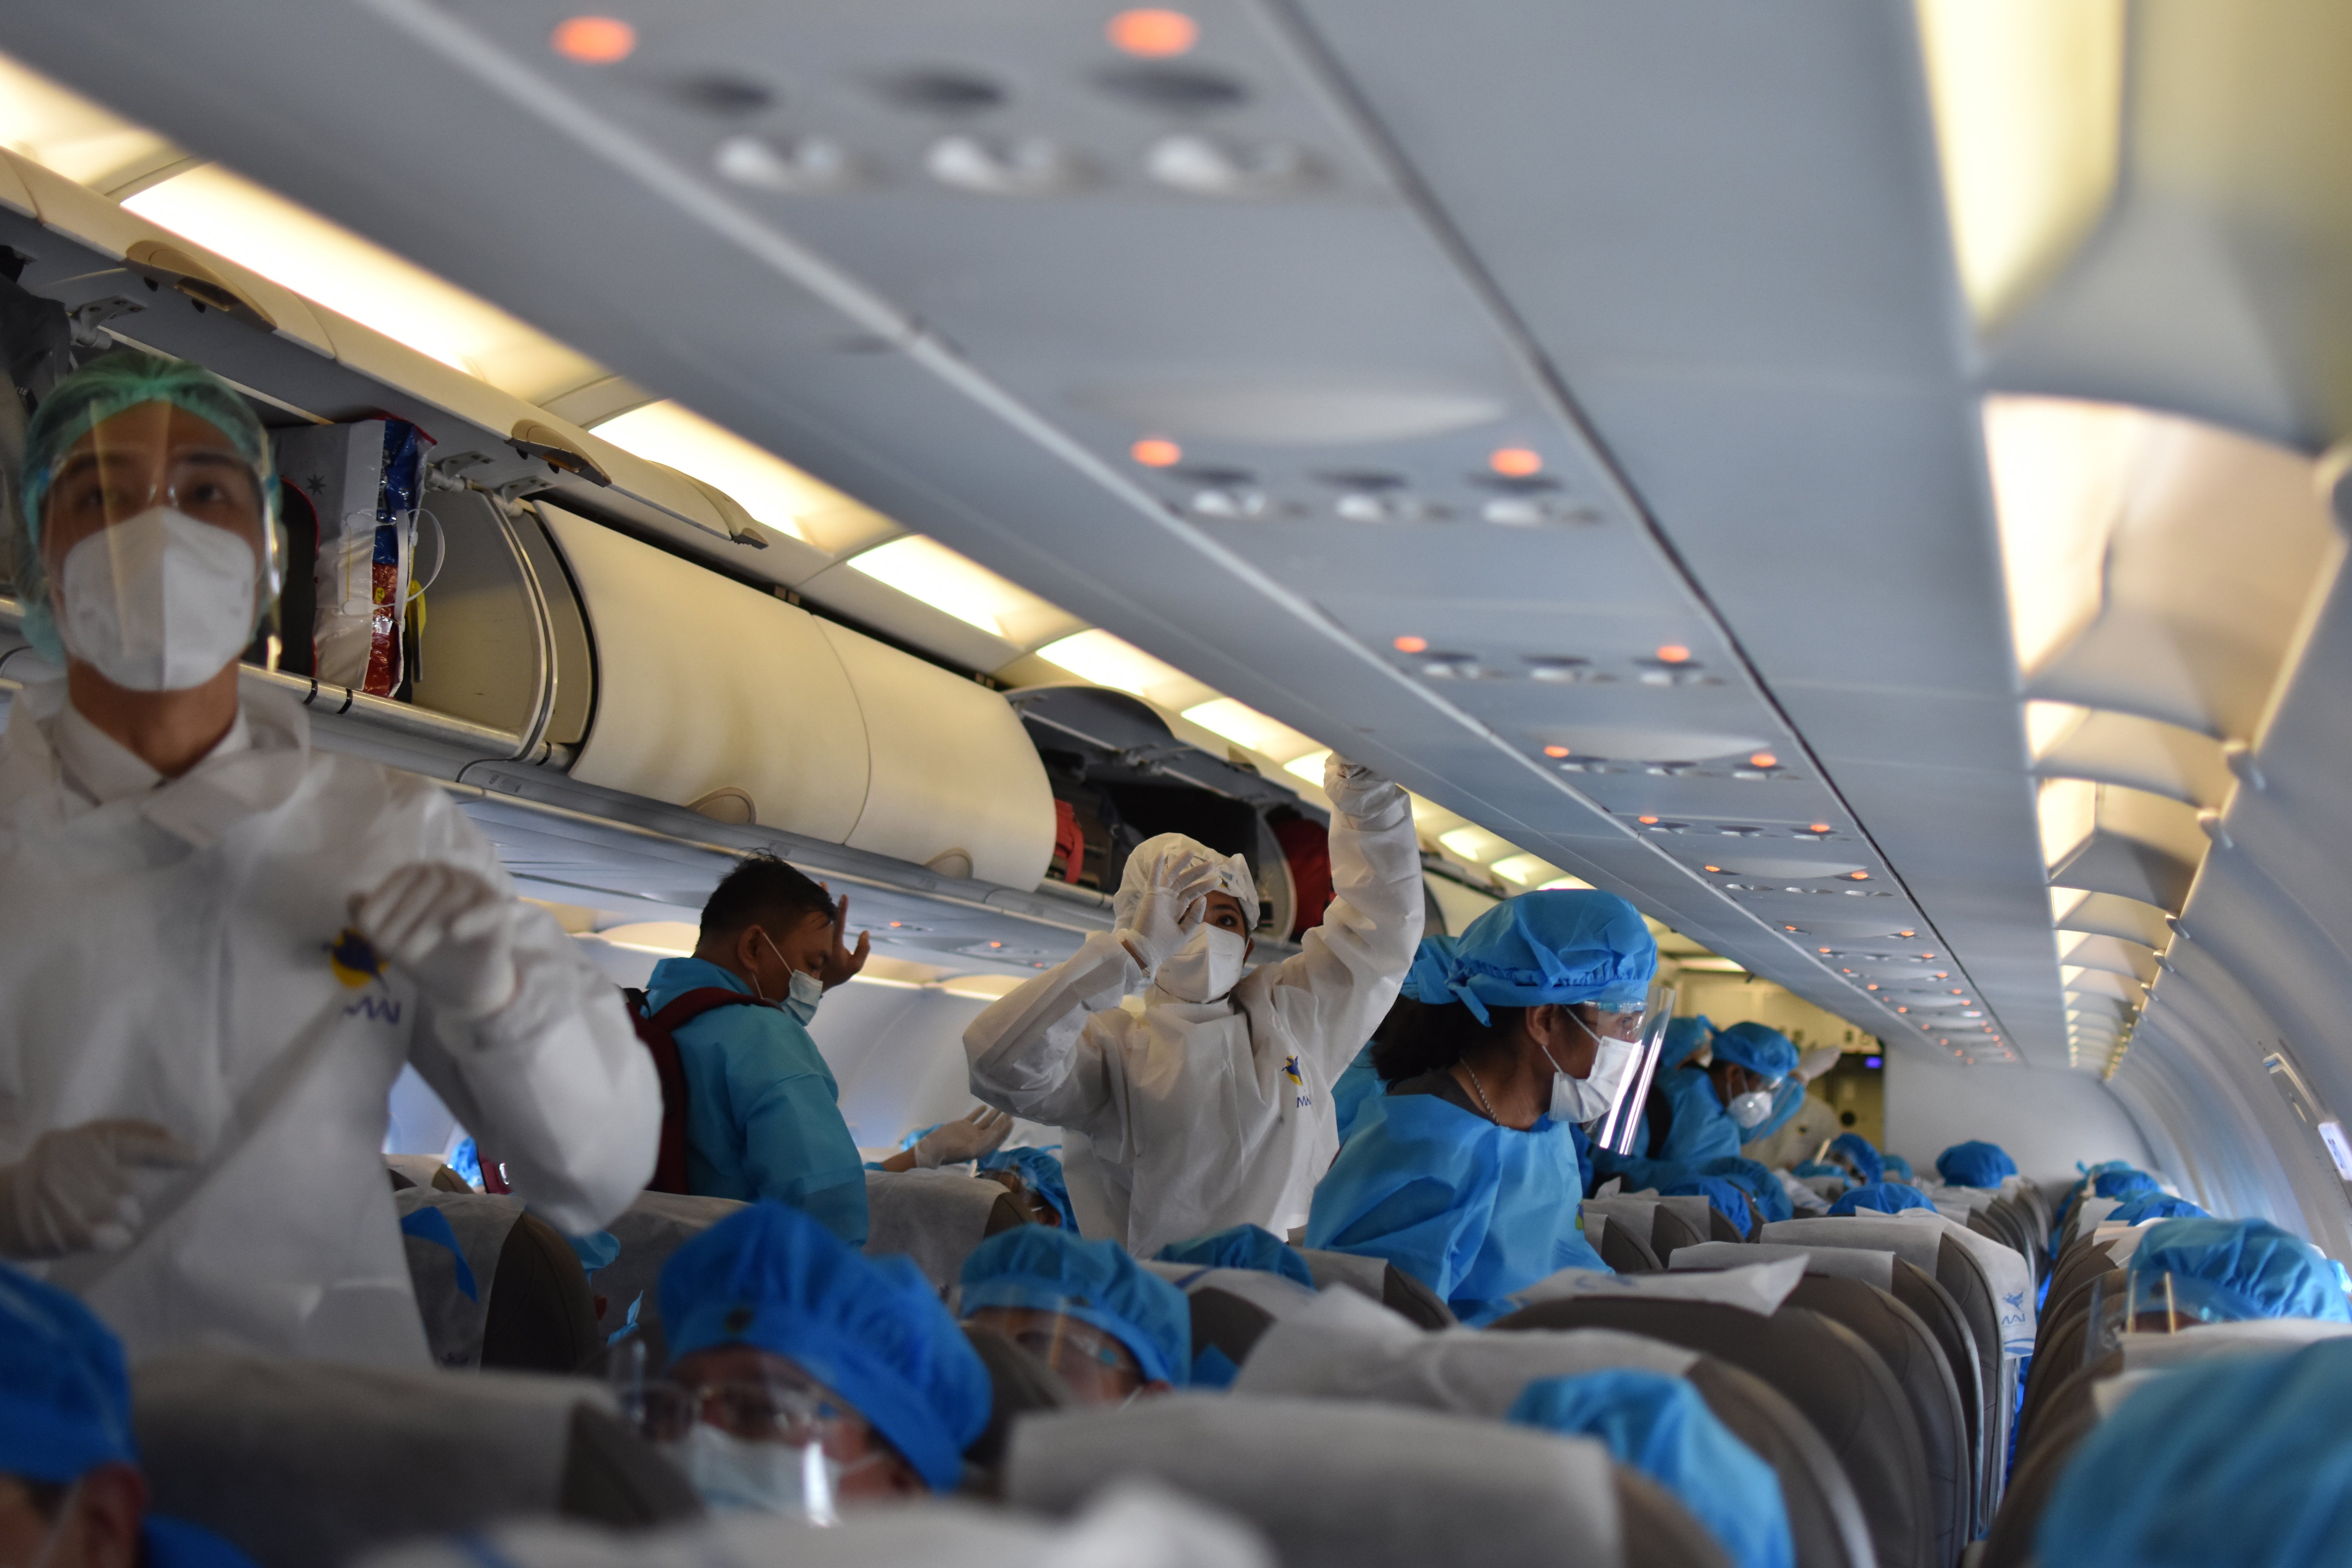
(1468, 1174)
(1859, 1157)
(1213, 1106)
(1242, 1247)
(71, 1494)
(2241, 1268)
(1881, 1197)
(1113, 1330)
(1036, 1180)
(1975, 1164)
(803, 1375)
(1697, 1115)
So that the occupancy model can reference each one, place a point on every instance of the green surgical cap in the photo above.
(89, 397)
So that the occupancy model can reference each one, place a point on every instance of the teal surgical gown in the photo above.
(1473, 1211)
(764, 1113)
(1355, 1086)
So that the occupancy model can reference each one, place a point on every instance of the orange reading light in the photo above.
(1763, 760)
(1154, 35)
(1903, 1009)
(1860, 876)
(1820, 949)
(1871, 988)
(1647, 821)
(1818, 828)
(1155, 453)
(1783, 928)
(1410, 644)
(1555, 750)
(594, 41)
(1515, 462)
(1906, 933)
(1674, 653)
(996, 944)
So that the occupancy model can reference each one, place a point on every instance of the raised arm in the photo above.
(1338, 988)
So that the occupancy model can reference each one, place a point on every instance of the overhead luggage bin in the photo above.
(2104, 838)
(2109, 954)
(2125, 749)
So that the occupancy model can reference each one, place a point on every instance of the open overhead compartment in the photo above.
(2104, 838)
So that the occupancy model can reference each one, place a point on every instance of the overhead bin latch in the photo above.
(537, 438)
(168, 267)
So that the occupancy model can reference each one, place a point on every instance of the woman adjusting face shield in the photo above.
(1529, 1024)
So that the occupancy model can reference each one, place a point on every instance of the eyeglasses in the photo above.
(757, 1410)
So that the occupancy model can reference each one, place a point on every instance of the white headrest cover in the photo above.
(1759, 1288)
(935, 1217)
(1858, 1263)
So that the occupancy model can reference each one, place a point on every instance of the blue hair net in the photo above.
(1683, 1037)
(2242, 1461)
(1975, 1164)
(2140, 1207)
(1659, 1425)
(1881, 1197)
(1898, 1169)
(2277, 1274)
(1722, 1193)
(1764, 1052)
(1242, 1247)
(1041, 1173)
(90, 396)
(1753, 1177)
(1425, 981)
(1858, 1149)
(1047, 1271)
(2123, 1184)
(872, 1330)
(1817, 1168)
(1569, 945)
(64, 1401)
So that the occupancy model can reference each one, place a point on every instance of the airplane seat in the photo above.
(1664, 1224)
(496, 1287)
(1822, 1368)
(1232, 1309)
(304, 1463)
(653, 1227)
(1656, 1531)
(2065, 1347)
(1719, 1226)
(1481, 1374)
(1380, 1281)
(936, 1217)
(1020, 1380)
(2010, 1542)
(2034, 1226)
(1337, 1485)
(1895, 1334)
(2085, 1261)
(1998, 1228)
(423, 1170)
(1625, 1250)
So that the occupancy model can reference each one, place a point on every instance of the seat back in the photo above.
(309, 1464)
(1625, 1249)
(1342, 1485)
(1670, 1232)
(935, 1217)
(1232, 1309)
(1019, 1381)
(1383, 1281)
(1822, 1368)
(656, 1226)
(496, 1287)
(1902, 1342)
(1659, 1533)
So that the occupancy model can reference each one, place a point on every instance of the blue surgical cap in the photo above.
(1042, 1270)
(1881, 1197)
(64, 1401)
(1659, 1425)
(1764, 1052)
(2123, 1184)
(2278, 1275)
(1570, 945)
(1242, 1247)
(1042, 1174)
(90, 396)
(1754, 1178)
(1425, 981)
(1858, 1149)
(1975, 1164)
(1898, 1169)
(1818, 1168)
(872, 1330)
(2240, 1461)
(1683, 1037)
(2141, 1208)
(1722, 1193)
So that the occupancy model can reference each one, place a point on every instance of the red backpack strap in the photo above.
(658, 1032)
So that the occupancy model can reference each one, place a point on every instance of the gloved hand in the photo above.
(1355, 790)
(1171, 909)
(449, 928)
(1817, 1061)
(953, 1142)
(74, 1193)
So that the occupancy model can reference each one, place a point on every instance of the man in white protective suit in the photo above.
(1214, 1107)
(218, 945)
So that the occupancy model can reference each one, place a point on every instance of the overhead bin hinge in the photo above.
(2239, 756)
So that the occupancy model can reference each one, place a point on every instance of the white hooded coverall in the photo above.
(1195, 1117)
(179, 954)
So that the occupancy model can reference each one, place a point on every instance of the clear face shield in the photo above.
(2164, 1303)
(1615, 1130)
(760, 1437)
(159, 549)
(1096, 1364)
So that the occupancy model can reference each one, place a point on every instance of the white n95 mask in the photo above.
(159, 602)
(1749, 1109)
(1205, 967)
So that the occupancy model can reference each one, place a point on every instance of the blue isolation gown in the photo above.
(1473, 1211)
(1699, 1129)
(1353, 1088)
(763, 1114)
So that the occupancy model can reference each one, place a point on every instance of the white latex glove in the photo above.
(1817, 1061)
(1171, 909)
(953, 1142)
(74, 1194)
(449, 928)
(1355, 789)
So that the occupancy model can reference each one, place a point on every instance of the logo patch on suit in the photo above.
(1290, 1071)
(352, 958)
